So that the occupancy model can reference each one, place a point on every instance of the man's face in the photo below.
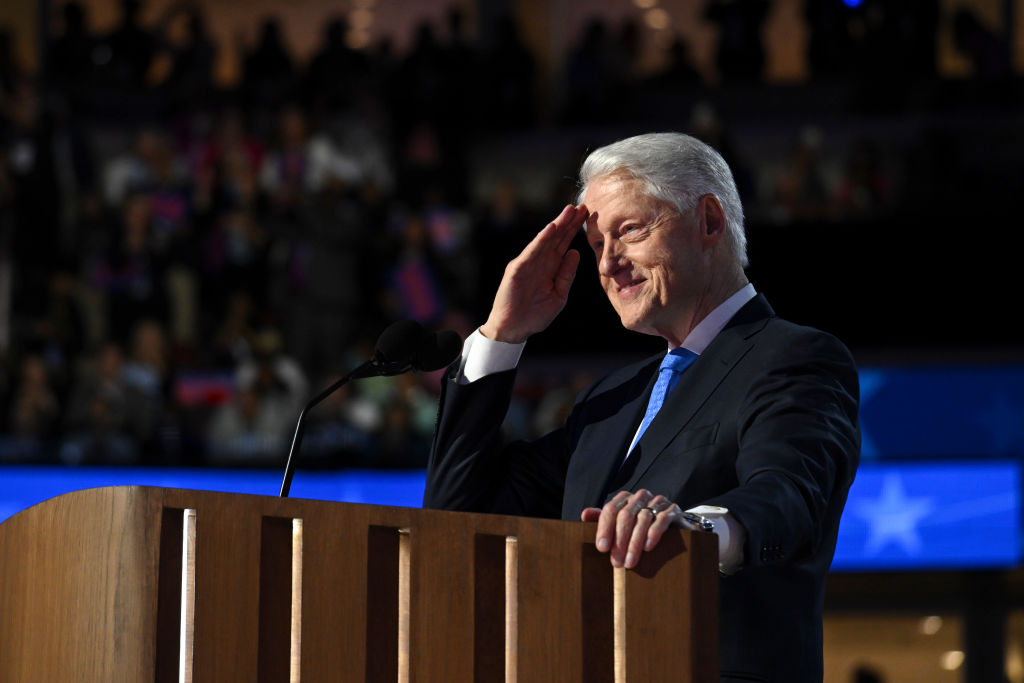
(649, 257)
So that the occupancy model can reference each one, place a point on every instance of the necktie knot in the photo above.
(677, 360)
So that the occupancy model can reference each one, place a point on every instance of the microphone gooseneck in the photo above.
(402, 347)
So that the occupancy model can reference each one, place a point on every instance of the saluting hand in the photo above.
(536, 283)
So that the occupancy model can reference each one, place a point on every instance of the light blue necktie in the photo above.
(672, 367)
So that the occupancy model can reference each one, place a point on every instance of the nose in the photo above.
(613, 259)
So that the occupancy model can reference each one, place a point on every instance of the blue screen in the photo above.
(942, 411)
(931, 515)
(21, 487)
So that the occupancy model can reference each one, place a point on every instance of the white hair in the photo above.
(675, 168)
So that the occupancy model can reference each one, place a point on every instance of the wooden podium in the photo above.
(136, 583)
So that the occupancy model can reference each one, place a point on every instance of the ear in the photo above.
(712, 220)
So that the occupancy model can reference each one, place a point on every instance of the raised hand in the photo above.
(536, 283)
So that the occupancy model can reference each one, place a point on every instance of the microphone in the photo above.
(438, 351)
(394, 352)
(402, 347)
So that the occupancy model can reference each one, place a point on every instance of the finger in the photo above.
(637, 542)
(624, 523)
(550, 236)
(590, 514)
(567, 273)
(606, 521)
(659, 503)
(665, 518)
(574, 223)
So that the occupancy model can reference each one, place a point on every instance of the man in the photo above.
(758, 437)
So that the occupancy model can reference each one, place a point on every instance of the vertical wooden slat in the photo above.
(275, 600)
(168, 610)
(489, 579)
(688, 652)
(511, 609)
(404, 602)
(382, 569)
(596, 614)
(186, 627)
(227, 591)
(550, 624)
(334, 588)
(295, 649)
(441, 627)
(619, 622)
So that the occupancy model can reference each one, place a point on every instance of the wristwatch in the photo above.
(698, 522)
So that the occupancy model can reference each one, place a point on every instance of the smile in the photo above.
(631, 287)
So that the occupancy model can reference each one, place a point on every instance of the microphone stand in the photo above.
(368, 369)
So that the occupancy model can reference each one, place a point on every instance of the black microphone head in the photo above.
(438, 351)
(399, 342)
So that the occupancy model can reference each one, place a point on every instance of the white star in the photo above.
(893, 517)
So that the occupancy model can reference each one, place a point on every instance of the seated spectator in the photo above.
(34, 411)
(302, 161)
(146, 376)
(100, 411)
(130, 274)
(236, 334)
(254, 427)
(133, 169)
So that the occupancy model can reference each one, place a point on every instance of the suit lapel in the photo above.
(605, 446)
(695, 386)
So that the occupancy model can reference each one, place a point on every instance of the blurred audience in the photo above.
(178, 256)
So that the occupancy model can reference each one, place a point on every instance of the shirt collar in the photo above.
(715, 321)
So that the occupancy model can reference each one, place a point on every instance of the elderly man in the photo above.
(747, 425)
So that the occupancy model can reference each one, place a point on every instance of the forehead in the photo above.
(610, 199)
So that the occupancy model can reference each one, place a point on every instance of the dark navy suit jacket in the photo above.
(763, 423)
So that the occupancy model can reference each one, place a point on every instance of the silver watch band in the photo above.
(700, 522)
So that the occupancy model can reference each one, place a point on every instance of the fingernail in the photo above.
(630, 560)
(603, 544)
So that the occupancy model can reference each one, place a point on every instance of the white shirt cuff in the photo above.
(482, 356)
(731, 537)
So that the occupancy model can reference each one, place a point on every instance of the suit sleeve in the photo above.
(472, 469)
(799, 445)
